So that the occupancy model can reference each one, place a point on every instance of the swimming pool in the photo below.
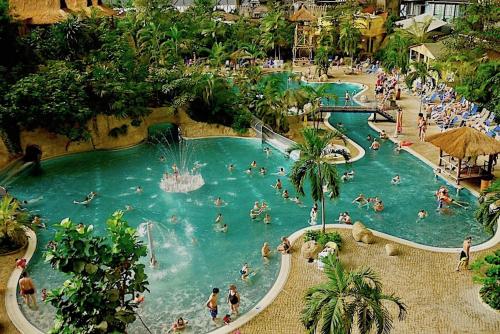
(337, 88)
(193, 257)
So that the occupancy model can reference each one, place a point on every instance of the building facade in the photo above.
(445, 10)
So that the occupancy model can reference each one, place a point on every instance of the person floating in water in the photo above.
(162, 158)
(219, 219)
(347, 177)
(378, 206)
(396, 180)
(248, 171)
(263, 171)
(422, 214)
(265, 250)
(86, 201)
(443, 198)
(285, 194)
(375, 145)
(361, 200)
(278, 185)
(267, 150)
(173, 219)
(253, 164)
(245, 271)
(222, 229)
(179, 325)
(230, 167)
(296, 200)
(369, 138)
(383, 135)
(281, 171)
(313, 215)
(267, 219)
(219, 202)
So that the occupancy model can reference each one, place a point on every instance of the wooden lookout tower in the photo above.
(303, 41)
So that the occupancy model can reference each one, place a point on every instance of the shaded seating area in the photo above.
(460, 152)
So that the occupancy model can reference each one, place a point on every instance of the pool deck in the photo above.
(439, 299)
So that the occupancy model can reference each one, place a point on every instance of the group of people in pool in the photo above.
(362, 201)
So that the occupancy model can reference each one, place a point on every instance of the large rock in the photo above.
(391, 249)
(361, 233)
(323, 78)
(310, 249)
(357, 230)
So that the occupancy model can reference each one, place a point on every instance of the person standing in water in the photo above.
(212, 304)
(27, 289)
(233, 299)
(465, 254)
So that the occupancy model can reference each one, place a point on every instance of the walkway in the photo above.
(7, 264)
(439, 300)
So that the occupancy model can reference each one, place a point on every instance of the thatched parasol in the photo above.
(465, 142)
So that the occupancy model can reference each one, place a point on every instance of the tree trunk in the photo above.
(323, 218)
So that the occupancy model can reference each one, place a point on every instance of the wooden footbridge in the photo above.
(371, 109)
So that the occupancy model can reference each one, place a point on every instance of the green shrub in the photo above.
(323, 238)
(488, 273)
(118, 131)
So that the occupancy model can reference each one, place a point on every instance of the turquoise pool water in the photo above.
(337, 88)
(193, 257)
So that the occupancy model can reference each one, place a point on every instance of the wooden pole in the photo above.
(490, 163)
(458, 170)
(440, 157)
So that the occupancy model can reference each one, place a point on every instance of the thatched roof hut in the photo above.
(465, 142)
(53, 11)
(303, 15)
(462, 143)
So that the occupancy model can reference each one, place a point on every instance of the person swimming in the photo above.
(396, 180)
(267, 219)
(223, 228)
(361, 200)
(378, 206)
(285, 194)
(422, 214)
(162, 158)
(281, 171)
(218, 202)
(296, 200)
(86, 201)
(248, 171)
(267, 150)
(173, 219)
(219, 219)
(253, 164)
(138, 190)
(245, 271)
(230, 167)
(383, 135)
(375, 145)
(278, 185)
(262, 171)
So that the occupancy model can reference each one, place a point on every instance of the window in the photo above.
(439, 11)
(449, 12)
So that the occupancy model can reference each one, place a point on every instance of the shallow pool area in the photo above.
(193, 257)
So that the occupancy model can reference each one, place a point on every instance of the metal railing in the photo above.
(273, 139)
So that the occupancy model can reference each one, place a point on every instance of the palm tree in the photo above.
(254, 50)
(488, 212)
(217, 55)
(350, 36)
(395, 53)
(349, 299)
(421, 71)
(321, 60)
(313, 165)
(315, 95)
(418, 32)
(150, 40)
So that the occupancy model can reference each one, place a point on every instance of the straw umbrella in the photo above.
(465, 142)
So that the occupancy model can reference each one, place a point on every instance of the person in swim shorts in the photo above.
(212, 304)
(27, 288)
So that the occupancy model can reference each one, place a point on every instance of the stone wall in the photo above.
(54, 145)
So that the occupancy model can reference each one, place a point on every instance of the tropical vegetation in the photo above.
(313, 166)
(103, 273)
(487, 271)
(349, 301)
(323, 238)
(12, 222)
(488, 212)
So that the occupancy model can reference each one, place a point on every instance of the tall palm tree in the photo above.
(314, 166)
(488, 212)
(349, 299)
(217, 55)
(395, 53)
(150, 40)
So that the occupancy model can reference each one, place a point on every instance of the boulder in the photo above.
(357, 230)
(367, 237)
(333, 246)
(391, 249)
(361, 233)
(310, 249)
(323, 78)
